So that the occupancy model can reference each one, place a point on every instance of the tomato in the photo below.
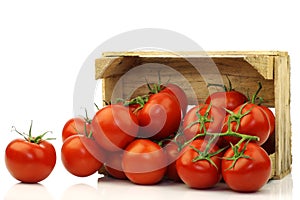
(229, 99)
(30, 160)
(115, 126)
(269, 145)
(247, 174)
(172, 153)
(160, 116)
(180, 95)
(255, 123)
(113, 164)
(212, 123)
(81, 156)
(144, 162)
(200, 173)
(75, 126)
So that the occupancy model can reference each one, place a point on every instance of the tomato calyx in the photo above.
(139, 100)
(237, 154)
(206, 154)
(236, 117)
(28, 136)
(202, 119)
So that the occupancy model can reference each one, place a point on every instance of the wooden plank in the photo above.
(194, 53)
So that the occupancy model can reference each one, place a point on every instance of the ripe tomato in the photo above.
(81, 156)
(75, 126)
(247, 174)
(172, 153)
(115, 126)
(255, 123)
(199, 173)
(113, 164)
(144, 162)
(213, 122)
(30, 160)
(229, 99)
(180, 95)
(160, 117)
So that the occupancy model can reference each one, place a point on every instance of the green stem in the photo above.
(256, 93)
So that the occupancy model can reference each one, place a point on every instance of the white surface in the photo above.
(43, 45)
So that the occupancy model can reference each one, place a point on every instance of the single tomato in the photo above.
(250, 171)
(198, 167)
(31, 159)
(248, 119)
(81, 156)
(144, 162)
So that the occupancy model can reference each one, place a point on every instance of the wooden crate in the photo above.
(125, 72)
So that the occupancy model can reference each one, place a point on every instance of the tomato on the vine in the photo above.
(114, 126)
(249, 170)
(144, 162)
(31, 159)
(199, 166)
(203, 118)
(159, 117)
(75, 126)
(81, 155)
(248, 119)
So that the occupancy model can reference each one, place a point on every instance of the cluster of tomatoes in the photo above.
(153, 136)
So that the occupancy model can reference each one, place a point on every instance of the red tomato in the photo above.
(199, 173)
(81, 156)
(172, 153)
(255, 123)
(115, 126)
(180, 95)
(113, 164)
(144, 162)
(75, 126)
(31, 160)
(191, 124)
(271, 117)
(160, 117)
(229, 100)
(269, 145)
(247, 174)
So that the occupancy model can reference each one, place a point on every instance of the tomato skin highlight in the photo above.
(144, 162)
(81, 156)
(30, 162)
(248, 174)
(115, 126)
(160, 117)
(200, 174)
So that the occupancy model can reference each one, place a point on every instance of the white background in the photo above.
(43, 45)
